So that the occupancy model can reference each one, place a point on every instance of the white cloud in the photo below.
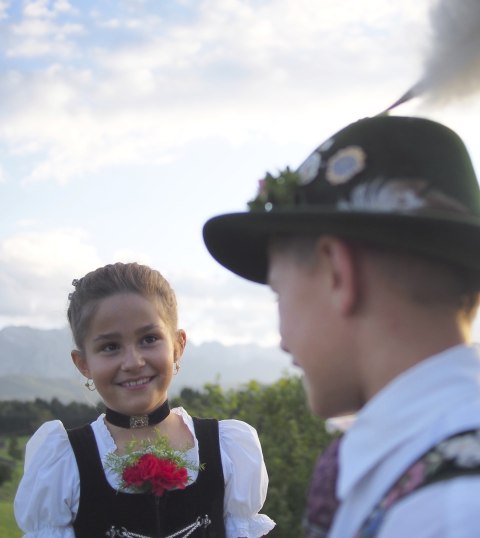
(225, 308)
(232, 68)
(128, 255)
(39, 33)
(4, 5)
(37, 268)
(36, 271)
(47, 8)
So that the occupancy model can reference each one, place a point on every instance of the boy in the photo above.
(372, 247)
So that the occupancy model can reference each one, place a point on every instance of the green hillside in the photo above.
(8, 527)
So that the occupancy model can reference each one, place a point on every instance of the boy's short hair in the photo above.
(421, 279)
(397, 182)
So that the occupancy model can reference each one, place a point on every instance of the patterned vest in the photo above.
(104, 511)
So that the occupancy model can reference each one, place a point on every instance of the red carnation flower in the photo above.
(157, 474)
(132, 476)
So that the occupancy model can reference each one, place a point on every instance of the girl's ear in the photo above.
(80, 362)
(180, 343)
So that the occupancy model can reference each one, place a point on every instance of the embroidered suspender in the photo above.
(459, 455)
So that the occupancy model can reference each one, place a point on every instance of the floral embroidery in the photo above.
(463, 450)
(456, 456)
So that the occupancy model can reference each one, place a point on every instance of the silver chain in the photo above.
(204, 521)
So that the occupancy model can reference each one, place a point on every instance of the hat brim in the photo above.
(239, 241)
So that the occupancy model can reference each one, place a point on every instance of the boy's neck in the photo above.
(400, 339)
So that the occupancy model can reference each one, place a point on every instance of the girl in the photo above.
(123, 319)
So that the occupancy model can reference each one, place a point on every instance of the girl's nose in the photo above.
(132, 359)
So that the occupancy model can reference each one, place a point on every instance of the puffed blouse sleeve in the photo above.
(246, 480)
(48, 494)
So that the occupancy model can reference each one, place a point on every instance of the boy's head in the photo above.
(381, 222)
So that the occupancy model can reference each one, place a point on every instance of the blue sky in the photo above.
(124, 125)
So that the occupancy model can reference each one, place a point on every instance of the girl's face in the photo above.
(129, 352)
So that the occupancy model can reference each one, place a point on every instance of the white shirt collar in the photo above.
(396, 415)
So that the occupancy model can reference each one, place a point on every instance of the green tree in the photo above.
(14, 450)
(23, 418)
(290, 435)
(6, 471)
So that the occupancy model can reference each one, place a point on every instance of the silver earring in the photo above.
(177, 367)
(90, 385)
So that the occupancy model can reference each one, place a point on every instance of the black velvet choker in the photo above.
(138, 421)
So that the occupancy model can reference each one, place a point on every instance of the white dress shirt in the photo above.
(433, 400)
(48, 496)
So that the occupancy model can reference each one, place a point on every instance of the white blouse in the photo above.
(47, 498)
(427, 403)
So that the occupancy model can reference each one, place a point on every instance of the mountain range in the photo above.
(36, 363)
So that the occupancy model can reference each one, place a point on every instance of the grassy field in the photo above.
(8, 527)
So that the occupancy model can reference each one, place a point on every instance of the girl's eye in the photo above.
(150, 339)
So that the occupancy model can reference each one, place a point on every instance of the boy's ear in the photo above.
(80, 362)
(340, 261)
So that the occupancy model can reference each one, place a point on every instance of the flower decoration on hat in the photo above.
(345, 164)
(308, 170)
(276, 190)
(399, 196)
(151, 467)
(386, 196)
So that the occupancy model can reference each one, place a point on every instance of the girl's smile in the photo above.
(136, 384)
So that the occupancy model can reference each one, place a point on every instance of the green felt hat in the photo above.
(395, 181)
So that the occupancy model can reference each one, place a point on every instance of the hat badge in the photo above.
(346, 163)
